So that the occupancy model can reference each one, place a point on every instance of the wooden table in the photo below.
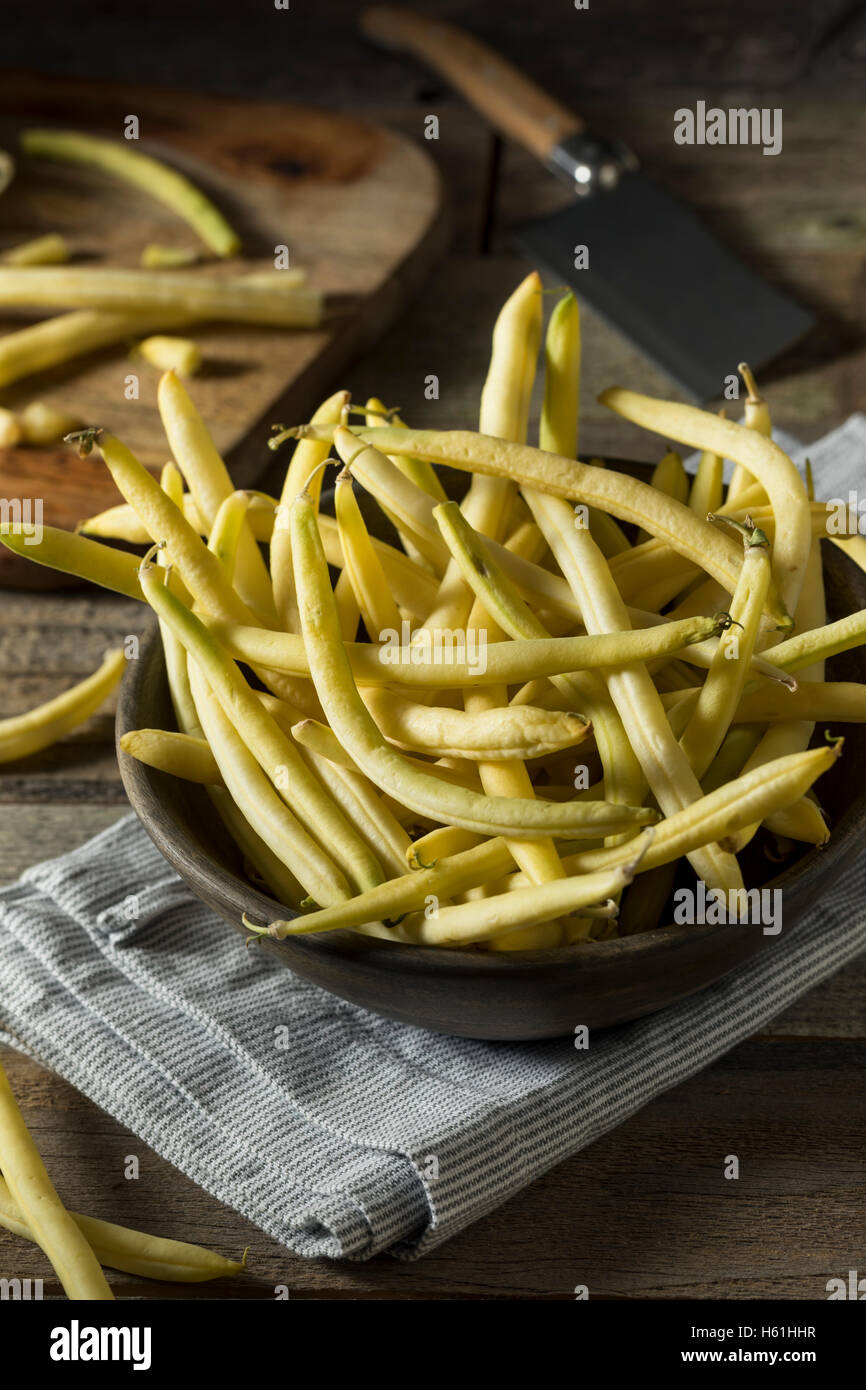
(645, 1212)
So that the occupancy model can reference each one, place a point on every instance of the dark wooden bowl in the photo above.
(476, 994)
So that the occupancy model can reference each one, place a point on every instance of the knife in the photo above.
(653, 269)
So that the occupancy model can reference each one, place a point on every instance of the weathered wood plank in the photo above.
(61, 637)
(644, 1212)
(316, 50)
(314, 181)
(836, 1009)
(39, 832)
(92, 788)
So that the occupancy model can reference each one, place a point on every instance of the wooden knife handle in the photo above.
(510, 101)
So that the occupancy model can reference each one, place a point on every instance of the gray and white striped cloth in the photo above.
(340, 1133)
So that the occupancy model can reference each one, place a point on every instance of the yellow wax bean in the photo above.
(717, 816)
(839, 701)
(408, 893)
(520, 909)
(24, 734)
(117, 157)
(562, 353)
(255, 797)
(422, 474)
(304, 469)
(441, 843)
(365, 573)
(42, 423)
(505, 402)
(416, 470)
(707, 487)
(121, 523)
(819, 644)
(739, 743)
(176, 668)
(446, 665)
(646, 565)
(283, 303)
(65, 336)
(309, 733)
(751, 496)
(11, 432)
(623, 778)
(274, 751)
(804, 820)
(764, 517)
(180, 355)
(607, 534)
(761, 456)
(209, 482)
(51, 249)
(626, 498)
(726, 677)
(505, 405)
(513, 732)
(181, 755)
(133, 1252)
(362, 806)
(259, 859)
(408, 506)
(53, 1228)
(413, 588)
(663, 762)
(154, 293)
(155, 256)
(227, 529)
(669, 476)
(199, 569)
(356, 730)
(348, 612)
(757, 417)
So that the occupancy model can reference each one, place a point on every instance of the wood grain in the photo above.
(509, 99)
(358, 207)
(644, 1212)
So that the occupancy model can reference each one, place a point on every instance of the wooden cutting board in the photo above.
(359, 207)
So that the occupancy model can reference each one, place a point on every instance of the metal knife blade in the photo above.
(654, 268)
(658, 274)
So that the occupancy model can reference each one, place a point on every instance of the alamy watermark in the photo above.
(703, 906)
(853, 1288)
(21, 1290)
(22, 516)
(846, 517)
(83, 1343)
(738, 125)
(440, 646)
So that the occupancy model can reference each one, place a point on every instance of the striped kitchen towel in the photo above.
(338, 1132)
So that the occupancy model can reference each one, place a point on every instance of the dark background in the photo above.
(311, 52)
